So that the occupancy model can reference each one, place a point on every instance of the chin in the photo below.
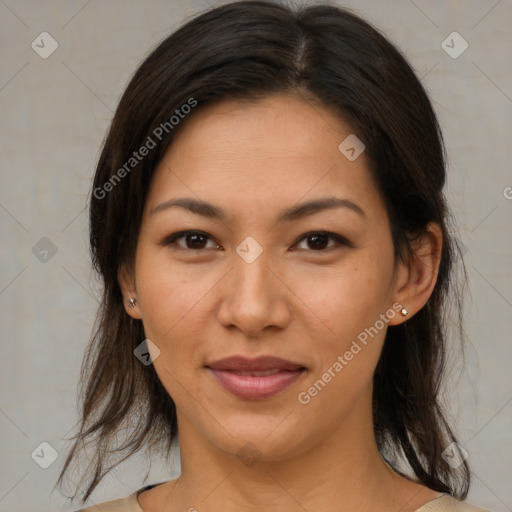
(253, 439)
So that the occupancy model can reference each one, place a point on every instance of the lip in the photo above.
(258, 364)
(234, 374)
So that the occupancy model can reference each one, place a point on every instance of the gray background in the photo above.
(54, 114)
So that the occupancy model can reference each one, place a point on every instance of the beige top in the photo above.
(444, 503)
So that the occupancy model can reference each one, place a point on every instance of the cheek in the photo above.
(345, 298)
(167, 292)
(349, 301)
(171, 308)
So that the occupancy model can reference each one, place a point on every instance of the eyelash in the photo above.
(342, 241)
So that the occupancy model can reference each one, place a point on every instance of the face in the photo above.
(256, 274)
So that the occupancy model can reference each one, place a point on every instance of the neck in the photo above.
(343, 471)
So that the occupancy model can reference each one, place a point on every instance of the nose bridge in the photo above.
(254, 297)
(252, 273)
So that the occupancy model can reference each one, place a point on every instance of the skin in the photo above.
(294, 301)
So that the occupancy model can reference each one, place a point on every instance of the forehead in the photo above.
(279, 149)
(278, 126)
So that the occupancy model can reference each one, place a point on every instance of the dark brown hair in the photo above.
(249, 50)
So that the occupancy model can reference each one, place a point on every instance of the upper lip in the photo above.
(257, 364)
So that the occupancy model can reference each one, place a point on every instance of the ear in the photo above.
(416, 279)
(126, 282)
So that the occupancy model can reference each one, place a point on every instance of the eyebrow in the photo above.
(290, 214)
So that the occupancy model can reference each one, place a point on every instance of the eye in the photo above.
(319, 240)
(195, 240)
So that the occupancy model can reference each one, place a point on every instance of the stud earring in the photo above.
(132, 302)
(404, 312)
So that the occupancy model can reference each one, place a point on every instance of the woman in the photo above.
(269, 223)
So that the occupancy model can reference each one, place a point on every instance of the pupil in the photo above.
(319, 241)
(196, 240)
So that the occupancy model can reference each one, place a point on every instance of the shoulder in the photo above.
(128, 504)
(444, 503)
(448, 503)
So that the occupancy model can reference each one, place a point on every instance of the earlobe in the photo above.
(418, 278)
(127, 285)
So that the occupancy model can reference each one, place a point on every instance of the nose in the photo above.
(254, 298)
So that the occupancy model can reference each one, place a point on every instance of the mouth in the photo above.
(255, 379)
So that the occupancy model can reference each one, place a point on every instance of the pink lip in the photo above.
(228, 370)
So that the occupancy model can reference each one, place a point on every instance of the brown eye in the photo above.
(194, 240)
(319, 241)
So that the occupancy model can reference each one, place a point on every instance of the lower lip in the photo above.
(256, 388)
